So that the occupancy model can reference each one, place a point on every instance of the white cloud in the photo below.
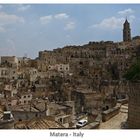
(9, 48)
(70, 26)
(68, 36)
(11, 43)
(131, 18)
(126, 12)
(10, 19)
(46, 19)
(23, 7)
(2, 29)
(61, 16)
(111, 23)
(1, 6)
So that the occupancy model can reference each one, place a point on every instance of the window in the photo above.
(81, 73)
(36, 115)
(3, 72)
(81, 63)
(61, 120)
(28, 96)
(24, 96)
(24, 102)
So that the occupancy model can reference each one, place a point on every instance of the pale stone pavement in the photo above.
(115, 122)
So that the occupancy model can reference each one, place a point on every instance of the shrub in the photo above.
(133, 74)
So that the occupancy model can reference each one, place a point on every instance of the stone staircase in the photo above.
(124, 108)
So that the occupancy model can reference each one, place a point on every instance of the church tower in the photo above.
(126, 31)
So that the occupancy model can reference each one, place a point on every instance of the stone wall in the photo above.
(24, 115)
(108, 114)
(87, 101)
(7, 124)
(134, 106)
(92, 59)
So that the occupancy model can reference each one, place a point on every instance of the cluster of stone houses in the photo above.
(25, 92)
(65, 84)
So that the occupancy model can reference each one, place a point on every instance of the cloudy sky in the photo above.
(27, 29)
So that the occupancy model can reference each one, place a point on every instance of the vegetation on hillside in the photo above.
(133, 73)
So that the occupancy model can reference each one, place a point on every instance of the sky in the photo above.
(29, 28)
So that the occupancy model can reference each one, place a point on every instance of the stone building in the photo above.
(126, 31)
(7, 120)
(87, 101)
(11, 61)
(8, 73)
(39, 123)
(25, 98)
(134, 106)
(62, 113)
(87, 76)
(26, 112)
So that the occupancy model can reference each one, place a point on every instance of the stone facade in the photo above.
(126, 31)
(134, 106)
(89, 77)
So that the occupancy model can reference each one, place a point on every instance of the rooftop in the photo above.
(59, 106)
(26, 108)
(83, 90)
(42, 123)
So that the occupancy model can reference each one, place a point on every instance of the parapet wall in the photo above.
(106, 115)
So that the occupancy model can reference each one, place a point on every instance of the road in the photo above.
(115, 122)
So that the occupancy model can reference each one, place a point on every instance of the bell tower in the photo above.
(126, 31)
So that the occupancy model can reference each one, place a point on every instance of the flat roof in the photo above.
(23, 108)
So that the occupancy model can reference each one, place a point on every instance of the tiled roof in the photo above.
(21, 125)
(43, 123)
